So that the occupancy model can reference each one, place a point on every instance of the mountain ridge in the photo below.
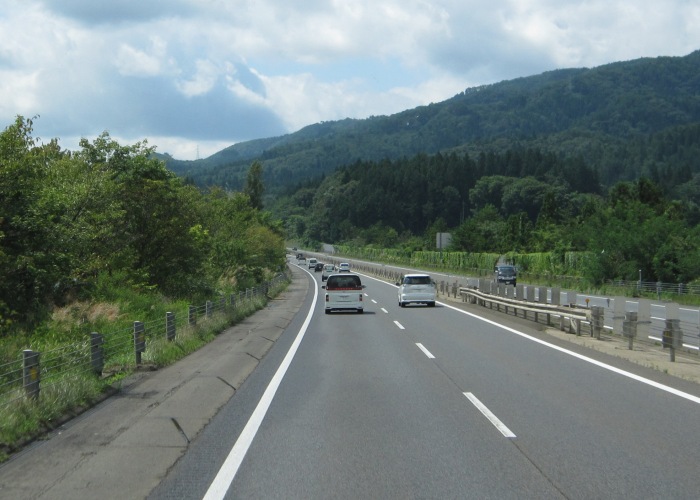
(571, 111)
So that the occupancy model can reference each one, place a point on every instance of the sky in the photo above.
(192, 77)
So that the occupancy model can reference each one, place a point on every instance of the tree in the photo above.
(28, 261)
(254, 186)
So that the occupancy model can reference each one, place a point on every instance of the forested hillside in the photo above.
(521, 201)
(601, 115)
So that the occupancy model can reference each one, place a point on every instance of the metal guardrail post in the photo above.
(597, 320)
(670, 337)
(541, 299)
(629, 328)
(643, 318)
(191, 315)
(208, 308)
(31, 373)
(619, 307)
(556, 296)
(139, 340)
(170, 326)
(97, 357)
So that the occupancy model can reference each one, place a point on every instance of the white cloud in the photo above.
(202, 81)
(22, 87)
(131, 61)
(192, 71)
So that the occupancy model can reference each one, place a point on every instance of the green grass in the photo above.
(25, 419)
(65, 394)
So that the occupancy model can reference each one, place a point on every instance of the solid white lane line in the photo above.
(218, 488)
(488, 414)
(399, 325)
(666, 388)
(425, 351)
(387, 312)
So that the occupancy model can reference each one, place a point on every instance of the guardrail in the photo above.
(633, 320)
(663, 325)
(569, 317)
(32, 371)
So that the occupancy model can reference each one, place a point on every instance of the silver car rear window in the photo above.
(416, 280)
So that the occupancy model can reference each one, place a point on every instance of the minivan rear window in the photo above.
(343, 282)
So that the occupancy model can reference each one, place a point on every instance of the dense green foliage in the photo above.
(614, 117)
(70, 222)
(518, 202)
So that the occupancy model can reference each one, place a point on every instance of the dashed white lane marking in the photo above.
(399, 325)
(425, 351)
(488, 414)
(387, 312)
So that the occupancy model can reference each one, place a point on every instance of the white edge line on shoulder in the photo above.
(219, 487)
(638, 378)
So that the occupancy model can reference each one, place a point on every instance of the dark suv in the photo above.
(506, 274)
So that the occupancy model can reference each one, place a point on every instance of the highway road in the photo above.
(658, 310)
(440, 402)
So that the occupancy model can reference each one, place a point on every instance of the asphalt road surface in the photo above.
(438, 403)
(447, 402)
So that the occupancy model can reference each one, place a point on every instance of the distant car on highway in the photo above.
(312, 263)
(506, 274)
(416, 289)
(343, 267)
(318, 267)
(328, 269)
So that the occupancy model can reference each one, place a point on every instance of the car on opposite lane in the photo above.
(506, 274)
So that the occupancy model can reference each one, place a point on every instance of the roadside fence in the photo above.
(658, 287)
(102, 352)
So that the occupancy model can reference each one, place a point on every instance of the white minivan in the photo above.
(344, 292)
(416, 289)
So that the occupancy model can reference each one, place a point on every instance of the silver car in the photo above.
(328, 269)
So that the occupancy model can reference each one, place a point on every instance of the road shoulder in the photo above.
(123, 447)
